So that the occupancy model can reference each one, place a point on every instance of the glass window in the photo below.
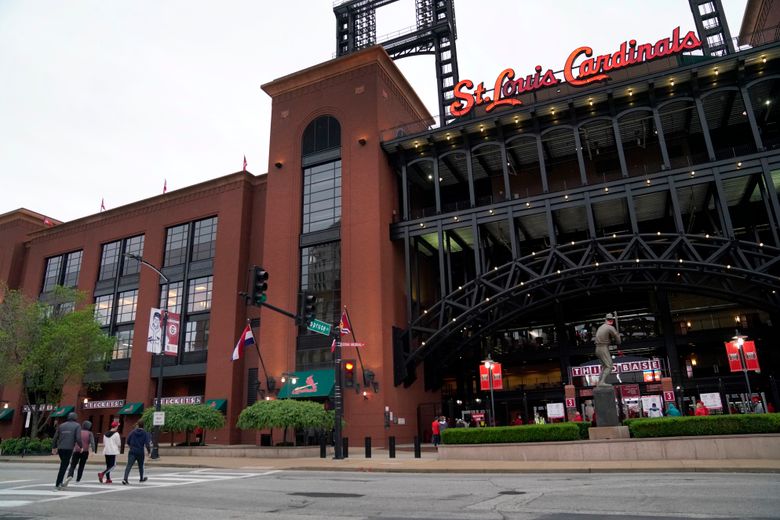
(126, 305)
(322, 134)
(321, 275)
(199, 294)
(204, 239)
(321, 196)
(197, 335)
(72, 269)
(134, 246)
(123, 346)
(52, 276)
(176, 241)
(109, 261)
(104, 306)
(175, 296)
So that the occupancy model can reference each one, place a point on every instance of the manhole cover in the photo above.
(326, 495)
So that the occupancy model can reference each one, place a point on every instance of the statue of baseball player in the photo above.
(606, 335)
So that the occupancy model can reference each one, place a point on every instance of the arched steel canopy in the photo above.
(741, 271)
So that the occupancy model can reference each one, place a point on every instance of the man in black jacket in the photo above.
(138, 441)
(67, 436)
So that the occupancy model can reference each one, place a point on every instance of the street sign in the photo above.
(352, 344)
(669, 396)
(158, 419)
(320, 327)
(571, 402)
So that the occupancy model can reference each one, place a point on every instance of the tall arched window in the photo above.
(320, 234)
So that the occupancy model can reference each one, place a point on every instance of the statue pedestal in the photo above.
(605, 405)
(600, 433)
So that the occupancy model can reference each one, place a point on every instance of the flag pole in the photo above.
(257, 348)
(357, 349)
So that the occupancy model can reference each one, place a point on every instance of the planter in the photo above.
(724, 447)
(258, 452)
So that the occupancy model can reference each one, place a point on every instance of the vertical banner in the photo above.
(751, 356)
(154, 334)
(172, 335)
(732, 353)
(484, 377)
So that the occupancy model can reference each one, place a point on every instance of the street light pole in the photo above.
(740, 341)
(161, 355)
(489, 365)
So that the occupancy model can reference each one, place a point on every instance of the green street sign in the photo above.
(320, 327)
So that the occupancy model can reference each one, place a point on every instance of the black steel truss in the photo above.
(435, 33)
(739, 271)
(712, 27)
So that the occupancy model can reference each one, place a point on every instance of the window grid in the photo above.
(133, 246)
(199, 294)
(123, 346)
(126, 306)
(204, 239)
(109, 260)
(52, 276)
(72, 269)
(176, 241)
(321, 196)
(197, 335)
(104, 306)
(175, 296)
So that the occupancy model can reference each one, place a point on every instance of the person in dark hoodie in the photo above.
(138, 441)
(67, 436)
(80, 455)
(112, 445)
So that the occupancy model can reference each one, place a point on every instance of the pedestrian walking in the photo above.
(67, 436)
(112, 445)
(80, 455)
(138, 441)
(435, 431)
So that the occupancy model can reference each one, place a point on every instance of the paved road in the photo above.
(27, 492)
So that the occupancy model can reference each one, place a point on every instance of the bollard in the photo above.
(345, 449)
(368, 447)
(323, 447)
(417, 454)
(392, 446)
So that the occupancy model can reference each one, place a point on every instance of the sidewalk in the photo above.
(429, 463)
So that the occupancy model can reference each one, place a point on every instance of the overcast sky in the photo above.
(106, 99)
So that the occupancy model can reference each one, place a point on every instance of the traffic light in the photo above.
(259, 286)
(309, 307)
(349, 373)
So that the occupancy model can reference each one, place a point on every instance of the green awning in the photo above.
(6, 414)
(132, 409)
(217, 404)
(309, 383)
(62, 411)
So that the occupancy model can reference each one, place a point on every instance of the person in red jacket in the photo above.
(701, 409)
(435, 431)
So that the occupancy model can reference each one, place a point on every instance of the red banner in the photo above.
(751, 356)
(732, 353)
(484, 379)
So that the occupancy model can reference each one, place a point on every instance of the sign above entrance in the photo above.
(589, 70)
(619, 368)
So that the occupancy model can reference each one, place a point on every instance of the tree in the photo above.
(187, 417)
(47, 345)
(285, 413)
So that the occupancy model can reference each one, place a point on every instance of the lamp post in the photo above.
(489, 366)
(161, 355)
(739, 340)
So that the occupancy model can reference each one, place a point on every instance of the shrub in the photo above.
(504, 434)
(20, 445)
(707, 425)
(583, 426)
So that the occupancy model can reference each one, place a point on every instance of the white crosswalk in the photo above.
(19, 493)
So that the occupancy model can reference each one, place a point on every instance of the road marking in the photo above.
(13, 481)
(45, 492)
